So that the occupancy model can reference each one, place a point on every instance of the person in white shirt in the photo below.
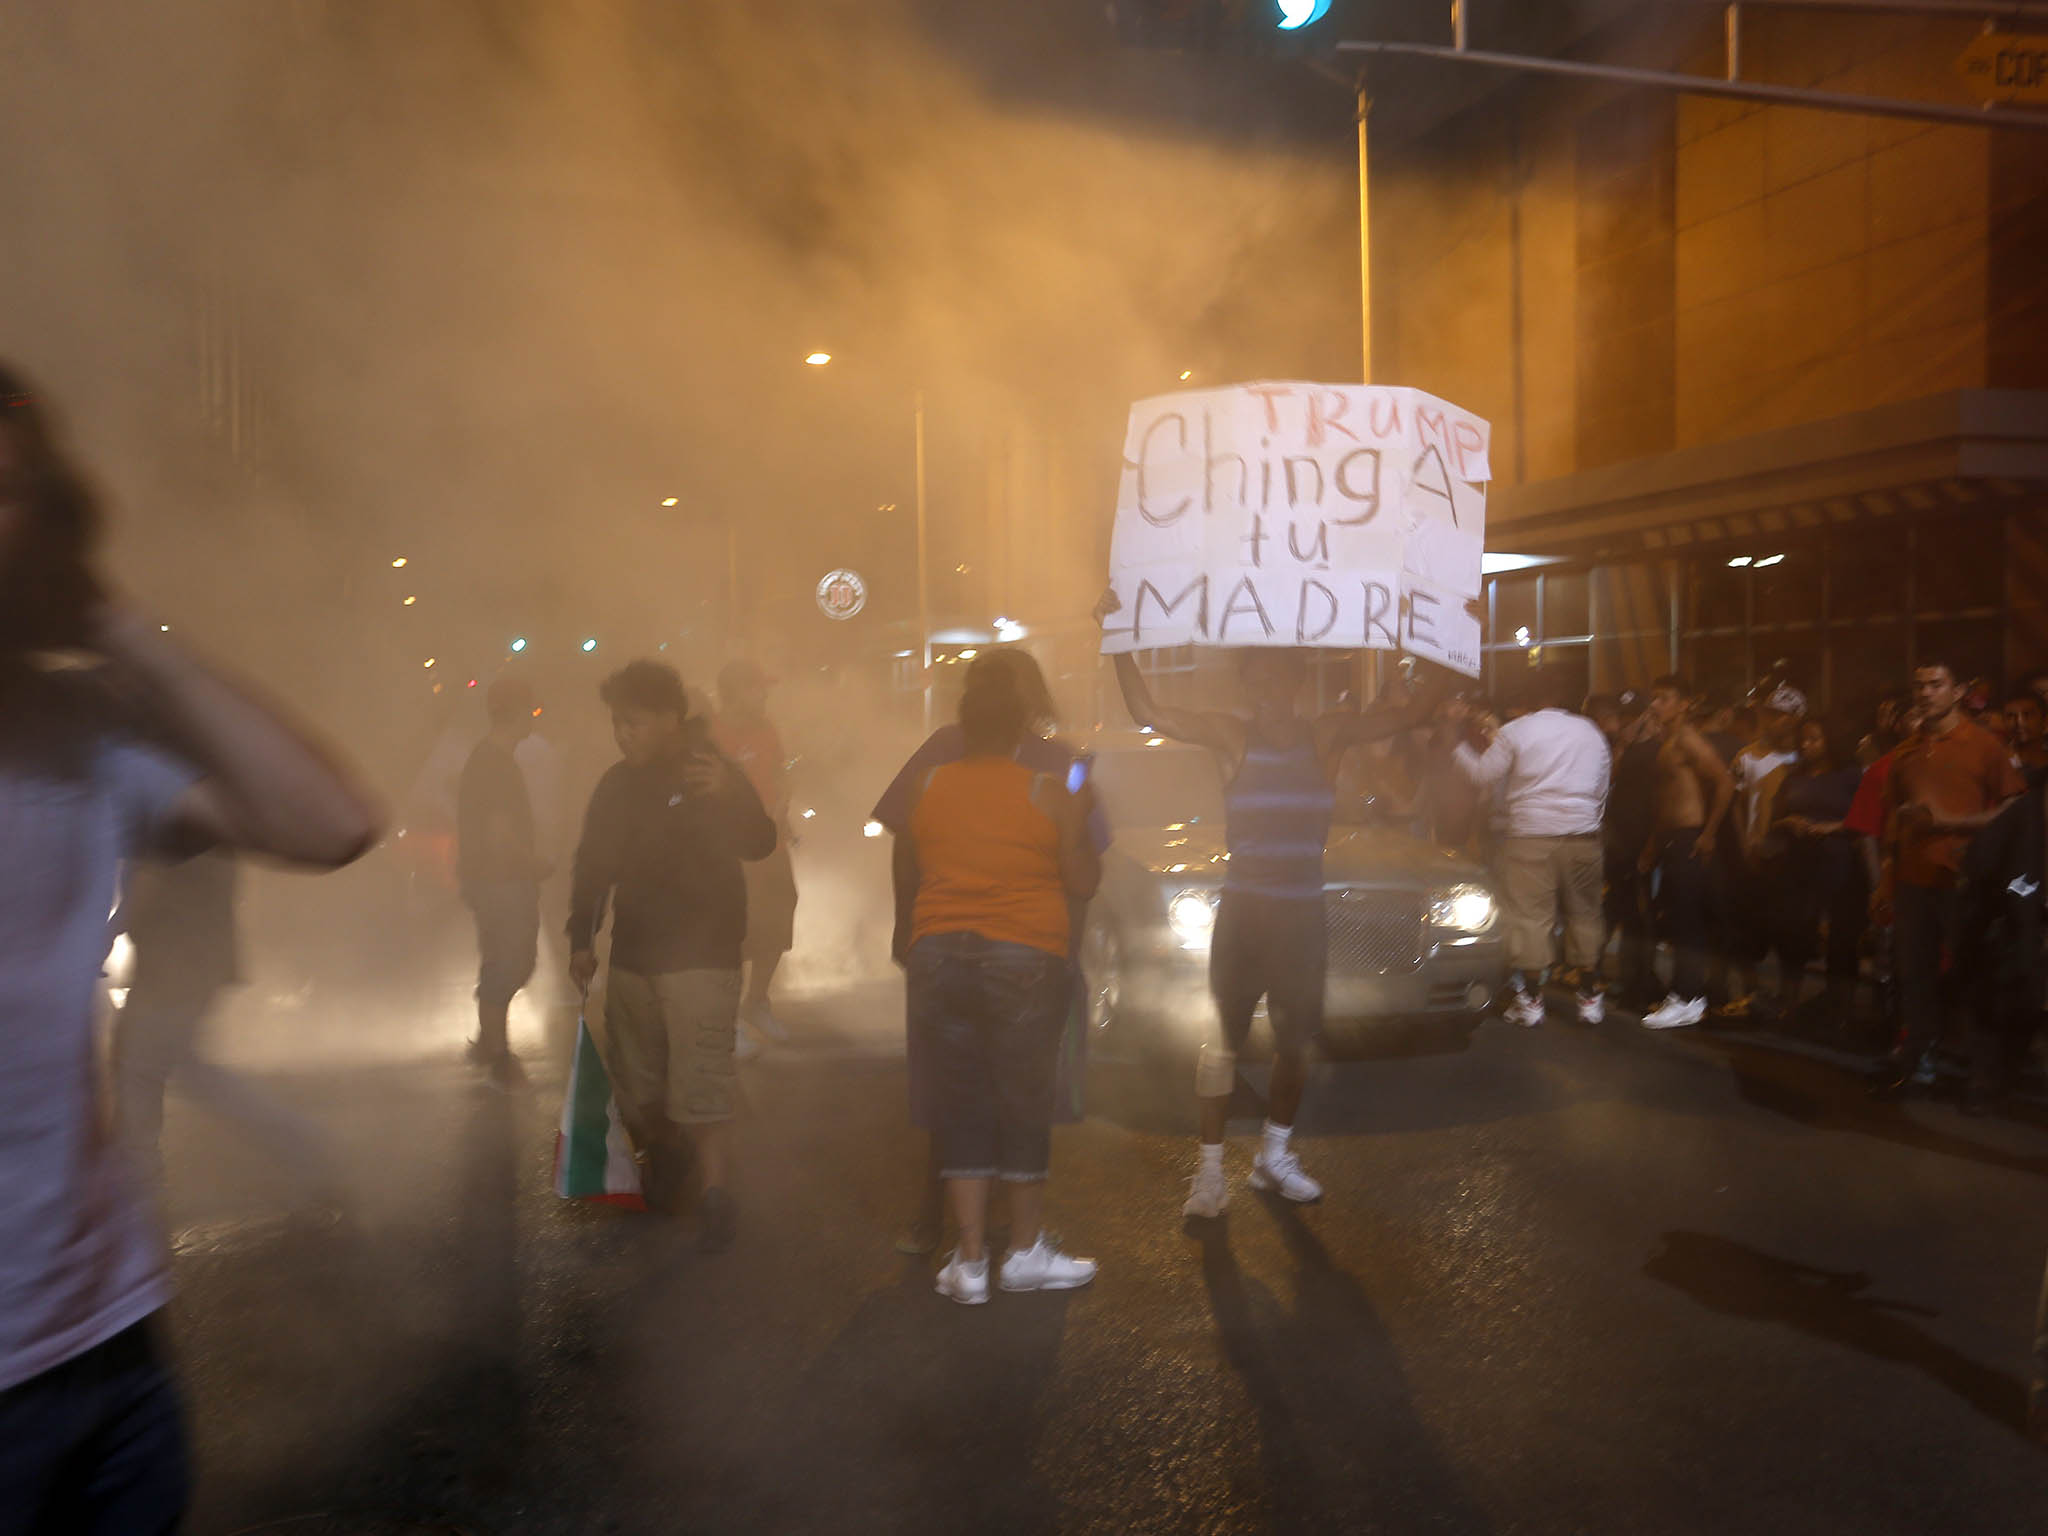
(1551, 769)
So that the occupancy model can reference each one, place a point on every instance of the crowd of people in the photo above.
(1741, 838)
(1752, 841)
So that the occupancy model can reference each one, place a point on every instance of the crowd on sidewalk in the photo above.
(1760, 841)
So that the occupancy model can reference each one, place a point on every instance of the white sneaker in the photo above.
(1042, 1267)
(1592, 1007)
(1676, 1012)
(1208, 1194)
(964, 1282)
(770, 1028)
(1524, 1008)
(1283, 1175)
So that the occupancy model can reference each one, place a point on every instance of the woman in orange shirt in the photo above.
(993, 854)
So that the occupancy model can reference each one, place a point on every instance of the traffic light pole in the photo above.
(1364, 230)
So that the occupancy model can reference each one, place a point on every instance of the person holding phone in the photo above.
(1042, 751)
(663, 840)
(992, 861)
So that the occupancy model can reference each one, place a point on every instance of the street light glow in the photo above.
(1186, 374)
(668, 501)
(519, 644)
(819, 359)
(428, 662)
(410, 601)
(398, 564)
(589, 645)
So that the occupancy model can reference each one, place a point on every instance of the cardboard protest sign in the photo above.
(1331, 515)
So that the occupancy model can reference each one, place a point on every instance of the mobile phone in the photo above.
(1077, 773)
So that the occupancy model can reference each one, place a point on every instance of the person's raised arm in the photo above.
(1343, 729)
(1080, 859)
(268, 786)
(743, 821)
(1714, 778)
(1219, 733)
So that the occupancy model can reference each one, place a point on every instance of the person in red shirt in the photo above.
(745, 734)
(1944, 786)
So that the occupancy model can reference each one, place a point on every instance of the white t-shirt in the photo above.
(80, 1260)
(1750, 769)
(1550, 769)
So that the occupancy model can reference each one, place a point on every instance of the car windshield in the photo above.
(1158, 786)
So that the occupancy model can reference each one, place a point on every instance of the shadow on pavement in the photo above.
(1821, 1095)
(1341, 1445)
(1727, 1277)
(921, 1415)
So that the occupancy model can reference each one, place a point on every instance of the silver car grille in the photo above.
(1373, 933)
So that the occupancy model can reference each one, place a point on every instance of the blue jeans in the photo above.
(994, 1012)
(95, 1446)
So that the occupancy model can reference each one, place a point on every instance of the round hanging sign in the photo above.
(842, 594)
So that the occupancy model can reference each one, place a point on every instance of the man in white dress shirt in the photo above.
(1551, 769)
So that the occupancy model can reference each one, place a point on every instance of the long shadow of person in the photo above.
(920, 1415)
(1740, 1281)
(1821, 1095)
(412, 1343)
(1341, 1445)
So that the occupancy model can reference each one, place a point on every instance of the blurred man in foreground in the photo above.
(662, 841)
(91, 1433)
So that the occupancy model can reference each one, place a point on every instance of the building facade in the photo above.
(1766, 382)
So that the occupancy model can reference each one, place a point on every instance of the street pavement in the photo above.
(1565, 1280)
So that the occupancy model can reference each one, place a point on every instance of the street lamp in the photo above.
(924, 604)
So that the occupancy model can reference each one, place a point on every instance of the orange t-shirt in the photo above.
(988, 858)
(1962, 773)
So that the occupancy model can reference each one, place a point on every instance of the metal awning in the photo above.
(1966, 448)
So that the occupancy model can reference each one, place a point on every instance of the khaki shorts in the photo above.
(671, 1039)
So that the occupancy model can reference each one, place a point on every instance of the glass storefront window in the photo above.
(1565, 604)
(1717, 665)
(1869, 662)
(1514, 609)
(1717, 594)
(1961, 562)
(1868, 566)
(1788, 586)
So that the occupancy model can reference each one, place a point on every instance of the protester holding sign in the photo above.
(1279, 773)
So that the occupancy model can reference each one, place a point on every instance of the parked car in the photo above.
(1416, 948)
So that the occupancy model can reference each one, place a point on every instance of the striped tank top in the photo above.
(1277, 814)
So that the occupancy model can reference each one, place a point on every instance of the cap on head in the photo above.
(1786, 700)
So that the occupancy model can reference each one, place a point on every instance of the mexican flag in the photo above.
(593, 1157)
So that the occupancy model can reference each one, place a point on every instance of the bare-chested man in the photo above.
(1693, 794)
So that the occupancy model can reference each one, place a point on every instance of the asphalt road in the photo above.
(1563, 1281)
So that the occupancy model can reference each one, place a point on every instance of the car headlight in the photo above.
(1466, 908)
(1192, 917)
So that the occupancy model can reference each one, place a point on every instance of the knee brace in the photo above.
(1215, 1071)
